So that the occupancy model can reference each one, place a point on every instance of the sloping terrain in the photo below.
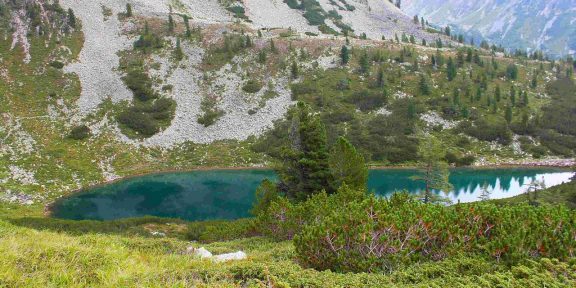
(91, 93)
(547, 25)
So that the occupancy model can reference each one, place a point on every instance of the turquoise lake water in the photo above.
(228, 194)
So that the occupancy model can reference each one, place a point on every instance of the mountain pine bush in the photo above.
(378, 234)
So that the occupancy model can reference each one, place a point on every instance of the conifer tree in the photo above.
(344, 55)
(513, 96)
(433, 169)
(178, 54)
(456, 97)
(534, 82)
(348, 166)
(423, 86)
(411, 110)
(525, 100)
(508, 114)
(364, 63)
(305, 168)
(128, 10)
(498, 93)
(262, 56)
(380, 80)
(170, 24)
(71, 18)
(451, 70)
(187, 25)
(294, 70)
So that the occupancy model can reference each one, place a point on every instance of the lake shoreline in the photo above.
(228, 193)
(551, 163)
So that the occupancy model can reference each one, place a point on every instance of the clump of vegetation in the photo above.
(57, 64)
(80, 132)
(140, 83)
(148, 41)
(232, 45)
(252, 86)
(149, 112)
(211, 111)
(378, 234)
(316, 15)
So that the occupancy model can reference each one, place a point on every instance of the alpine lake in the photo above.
(229, 194)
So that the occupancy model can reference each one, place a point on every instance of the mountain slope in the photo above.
(548, 25)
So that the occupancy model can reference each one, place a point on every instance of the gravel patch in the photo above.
(20, 33)
(188, 92)
(276, 14)
(21, 175)
(98, 58)
(433, 119)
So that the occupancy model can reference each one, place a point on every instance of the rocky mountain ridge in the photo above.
(548, 25)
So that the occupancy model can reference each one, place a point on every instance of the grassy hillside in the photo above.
(106, 259)
(386, 93)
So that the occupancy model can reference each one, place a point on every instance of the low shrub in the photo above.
(377, 234)
(368, 100)
(140, 122)
(57, 64)
(216, 231)
(299, 89)
(79, 132)
(148, 41)
(211, 111)
(140, 84)
(485, 130)
(252, 86)
(459, 160)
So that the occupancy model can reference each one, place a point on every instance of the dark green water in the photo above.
(228, 194)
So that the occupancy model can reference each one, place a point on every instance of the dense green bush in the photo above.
(496, 130)
(57, 64)
(368, 100)
(140, 122)
(148, 41)
(459, 160)
(211, 111)
(302, 89)
(378, 234)
(283, 219)
(79, 132)
(252, 86)
(140, 84)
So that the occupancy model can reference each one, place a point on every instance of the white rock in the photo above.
(240, 255)
(200, 252)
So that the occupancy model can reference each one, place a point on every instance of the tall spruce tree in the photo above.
(304, 168)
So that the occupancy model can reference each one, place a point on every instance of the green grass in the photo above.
(101, 259)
